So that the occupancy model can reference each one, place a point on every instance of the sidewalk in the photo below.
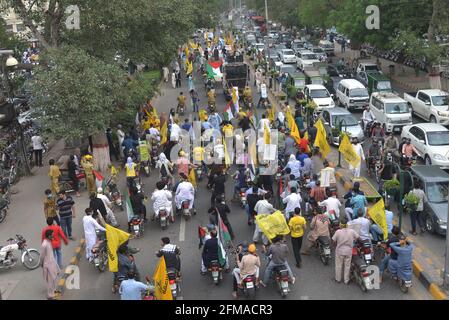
(404, 77)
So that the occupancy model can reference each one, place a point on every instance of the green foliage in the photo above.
(411, 200)
(391, 185)
(75, 94)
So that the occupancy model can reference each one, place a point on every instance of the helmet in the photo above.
(100, 190)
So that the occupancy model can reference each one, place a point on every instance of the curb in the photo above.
(418, 270)
(68, 271)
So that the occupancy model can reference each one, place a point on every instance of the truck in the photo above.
(235, 74)
(431, 105)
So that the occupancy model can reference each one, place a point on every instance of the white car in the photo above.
(305, 59)
(287, 56)
(432, 142)
(319, 94)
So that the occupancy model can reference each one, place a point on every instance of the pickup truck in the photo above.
(431, 105)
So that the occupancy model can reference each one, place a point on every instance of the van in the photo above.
(391, 111)
(327, 46)
(351, 94)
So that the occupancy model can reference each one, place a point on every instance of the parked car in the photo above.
(319, 94)
(368, 67)
(431, 140)
(288, 56)
(338, 70)
(351, 94)
(390, 110)
(306, 58)
(431, 105)
(436, 185)
(332, 118)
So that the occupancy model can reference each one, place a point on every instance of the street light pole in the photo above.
(266, 12)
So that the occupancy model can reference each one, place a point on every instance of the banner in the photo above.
(273, 224)
(294, 132)
(164, 130)
(377, 213)
(348, 152)
(162, 290)
(115, 238)
(321, 140)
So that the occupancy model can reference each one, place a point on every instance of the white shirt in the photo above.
(263, 123)
(37, 142)
(175, 131)
(161, 198)
(361, 226)
(107, 203)
(331, 203)
(327, 176)
(263, 207)
(293, 201)
(263, 91)
(90, 225)
(367, 115)
(154, 131)
(359, 151)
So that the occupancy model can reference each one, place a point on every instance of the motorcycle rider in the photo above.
(391, 145)
(247, 96)
(408, 150)
(130, 289)
(401, 267)
(131, 172)
(210, 252)
(211, 97)
(90, 225)
(294, 165)
(378, 132)
(108, 206)
(218, 184)
(248, 263)
(222, 209)
(319, 227)
(162, 199)
(278, 252)
(181, 102)
(171, 253)
(393, 237)
(367, 117)
(240, 180)
(129, 144)
(374, 152)
(126, 264)
(184, 191)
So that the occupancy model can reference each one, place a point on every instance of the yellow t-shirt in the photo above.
(181, 100)
(228, 130)
(54, 172)
(198, 153)
(297, 225)
(130, 172)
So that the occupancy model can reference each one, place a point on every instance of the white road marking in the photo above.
(182, 229)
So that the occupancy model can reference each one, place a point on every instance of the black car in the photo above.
(338, 70)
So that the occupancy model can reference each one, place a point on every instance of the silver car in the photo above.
(332, 118)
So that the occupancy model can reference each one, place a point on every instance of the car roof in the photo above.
(338, 111)
(430, 173)
(352, 83)
(435, 92)
(306, 51)
(315, 86)
(430, 127)
(377, 76)
(388, 96)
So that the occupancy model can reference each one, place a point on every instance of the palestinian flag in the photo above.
(100, 181)
(228, 112)
(129, 208)
(224, 238)
(213, 70)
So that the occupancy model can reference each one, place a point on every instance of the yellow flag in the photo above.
(192, 177)
(189, 67)
(227, 157)
(164, 130)
(273, 224)
(187, 52)
(306, 135)
(162, 289)
(348, 152)
(377, 213)
(234, 95)
(116, 238)
(113, 171)
(271, 114)
(294, 132)
(266, 135)
(253, 154)
(203, 115)
(320, 140)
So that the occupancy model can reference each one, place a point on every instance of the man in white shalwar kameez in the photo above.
(108, 205)
(359, 151)
(90, 225)
(162, 199)
(185, 191)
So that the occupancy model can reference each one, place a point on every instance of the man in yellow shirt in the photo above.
(211, 97)
(54, 175)
(297, 226)
(88, 167)
(181, 102)
(198, 157)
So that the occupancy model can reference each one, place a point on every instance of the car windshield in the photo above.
(340, 68)
(346, 120)
(289, 53)
(384, 85)
(437, 192)
(288, 69)
(300, 83)
(360, 92)
(371, 67)
(318, 50)
(440, 138)
(309, 57)
(439, 101)
(394, 108)
(319, 93)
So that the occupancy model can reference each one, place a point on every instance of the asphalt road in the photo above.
(313, 279)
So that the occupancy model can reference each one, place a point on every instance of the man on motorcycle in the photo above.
(171, 254)
(391, 145)
(130, 289)
(408, 150)
(319, 227)
(129, 144)
(247, 96)
(401, 267)
(210, 252)
(181, 102)
(278, 252)
(211, 97)
(374, 152)
(184, 191)
(248, 263)
(110, 217)
(377, 132)
(367, 117)
(162, 199)
(393, 237)
(240, 180)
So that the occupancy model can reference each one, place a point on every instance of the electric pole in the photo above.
(266, 12)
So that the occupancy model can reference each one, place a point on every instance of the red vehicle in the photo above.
(260, 22)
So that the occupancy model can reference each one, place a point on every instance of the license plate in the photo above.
(408, 284)
(327, 251)
(136, 228)
(163, 218)
(284, 284)
(243, 198)
(250, 285)
(397, 129)
(173, 286)
(214, 274)
(97, 261)
(367, 257)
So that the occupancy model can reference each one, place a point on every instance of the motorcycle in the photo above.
(324, 249)
(243, 200)
(114, 195)
(66, 184)
(367, 128)
(408, 162)
(185, 207)
(30, 257)
(181, 110)
(163, 218)
(100, 251)
(216, 271)
(249, 286)
(137, 226)
(148, 295)
(199, 173)
(154, 152)
(211, 107)
(361, 258)
(374, 167)
(404, 280)
(173, 281)
(281, 277)
(117, 279)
